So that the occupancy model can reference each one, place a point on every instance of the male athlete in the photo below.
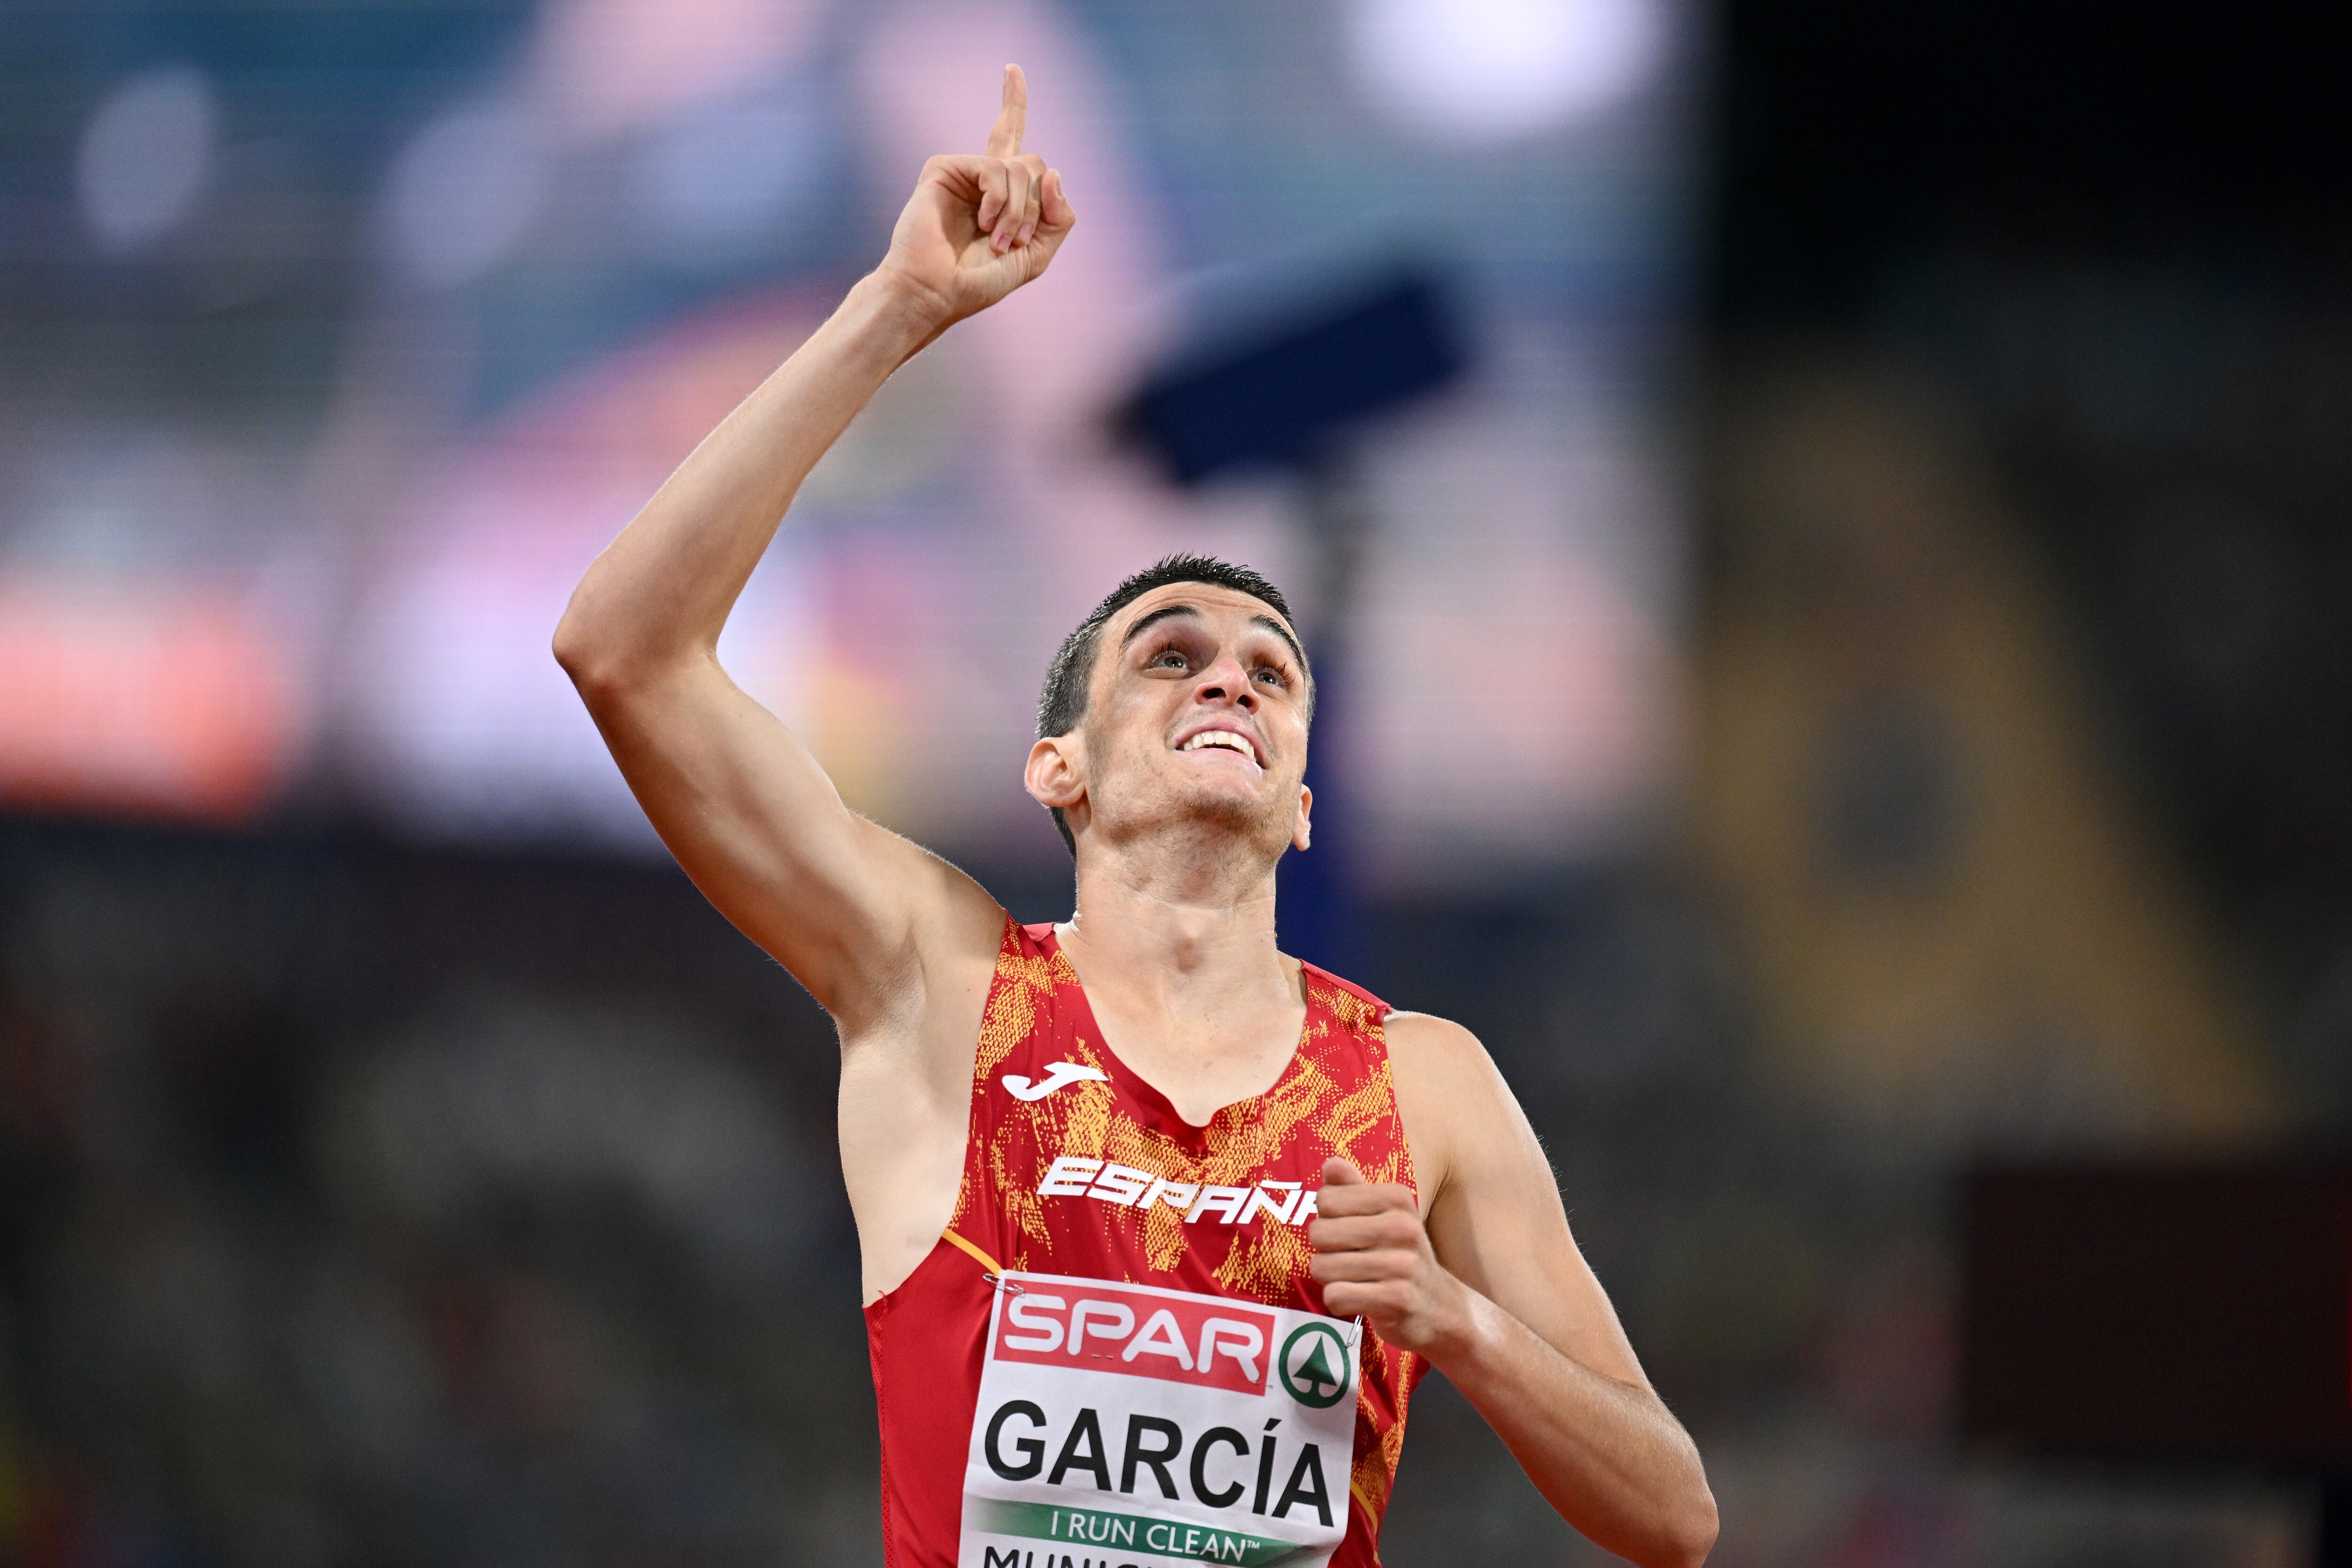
(1159, 1225)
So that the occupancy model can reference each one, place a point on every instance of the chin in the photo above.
(1251, 819)
(1241, 813)
(1235, 799)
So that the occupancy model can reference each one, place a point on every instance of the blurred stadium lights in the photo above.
(464, 193)
(603, 221)
(730, 174)
(1488, 71)
(612, 68)
(144, 156)
(170, 702)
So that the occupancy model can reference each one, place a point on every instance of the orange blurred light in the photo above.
(149, 701)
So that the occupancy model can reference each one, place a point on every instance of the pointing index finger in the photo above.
(1004, 137)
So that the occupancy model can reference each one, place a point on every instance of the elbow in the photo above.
(609, 671)
(1692, 1535)
(589, 655)
(594, 674)
(617, 639)
(1678, 1528)
(576, 650)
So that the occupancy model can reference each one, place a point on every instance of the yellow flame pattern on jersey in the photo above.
(1335, 1098)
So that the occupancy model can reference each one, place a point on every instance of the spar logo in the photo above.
(1209, 1341)
(1313, 1365)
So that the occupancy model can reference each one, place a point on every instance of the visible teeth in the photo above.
(1219, 738)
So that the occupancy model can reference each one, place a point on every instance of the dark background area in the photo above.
(2121, 241)
(1854, 141)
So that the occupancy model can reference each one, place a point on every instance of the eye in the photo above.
(1272, 674)
(1168, 659)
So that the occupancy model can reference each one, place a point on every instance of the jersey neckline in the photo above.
(1147, 1094)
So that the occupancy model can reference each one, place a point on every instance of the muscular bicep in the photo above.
(1494, 1214)
(856, 913)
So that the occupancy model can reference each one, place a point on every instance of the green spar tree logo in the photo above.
(1315, 1373)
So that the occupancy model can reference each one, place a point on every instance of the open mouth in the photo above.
(1224, 740)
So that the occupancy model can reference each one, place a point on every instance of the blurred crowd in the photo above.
(363, 1210)
(368, 1206)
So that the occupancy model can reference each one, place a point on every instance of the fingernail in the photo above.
(1026, 230)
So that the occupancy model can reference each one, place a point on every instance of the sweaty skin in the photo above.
(1173, 933)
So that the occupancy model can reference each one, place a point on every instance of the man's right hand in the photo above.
(867, 921)
(979, 227)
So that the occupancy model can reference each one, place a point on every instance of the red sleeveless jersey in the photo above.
(1077, 1172)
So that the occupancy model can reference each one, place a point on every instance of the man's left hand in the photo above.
(1373, 1260)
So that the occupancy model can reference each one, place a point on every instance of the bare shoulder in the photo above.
(1434, 1052)
(1451, 1099)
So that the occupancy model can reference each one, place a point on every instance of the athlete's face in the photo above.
(1197, 712)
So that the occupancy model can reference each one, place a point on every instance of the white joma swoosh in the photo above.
(1057, 1074)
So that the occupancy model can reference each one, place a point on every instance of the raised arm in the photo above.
(1484, 1279)
(853, 911)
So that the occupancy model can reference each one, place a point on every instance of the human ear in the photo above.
(1054, 773)
(1302, 829)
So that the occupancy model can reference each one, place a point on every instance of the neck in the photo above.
(1180, 942)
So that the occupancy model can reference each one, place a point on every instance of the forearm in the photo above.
(1607, 1454)
(663, 589)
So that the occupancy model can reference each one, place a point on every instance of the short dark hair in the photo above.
(1062, 705)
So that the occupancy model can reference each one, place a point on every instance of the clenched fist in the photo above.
(1374, 1261)
(979, 227)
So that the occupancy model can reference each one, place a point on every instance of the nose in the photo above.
(1226, 681)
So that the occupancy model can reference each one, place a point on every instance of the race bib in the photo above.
(1126, 1425)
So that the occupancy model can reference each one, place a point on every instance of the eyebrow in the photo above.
(1164, 611)
(1169, 611)
(1278, 629)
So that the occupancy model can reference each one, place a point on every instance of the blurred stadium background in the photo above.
(1851, 683)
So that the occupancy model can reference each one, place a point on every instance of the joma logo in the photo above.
(1074, 1176)
(1057, 1074)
